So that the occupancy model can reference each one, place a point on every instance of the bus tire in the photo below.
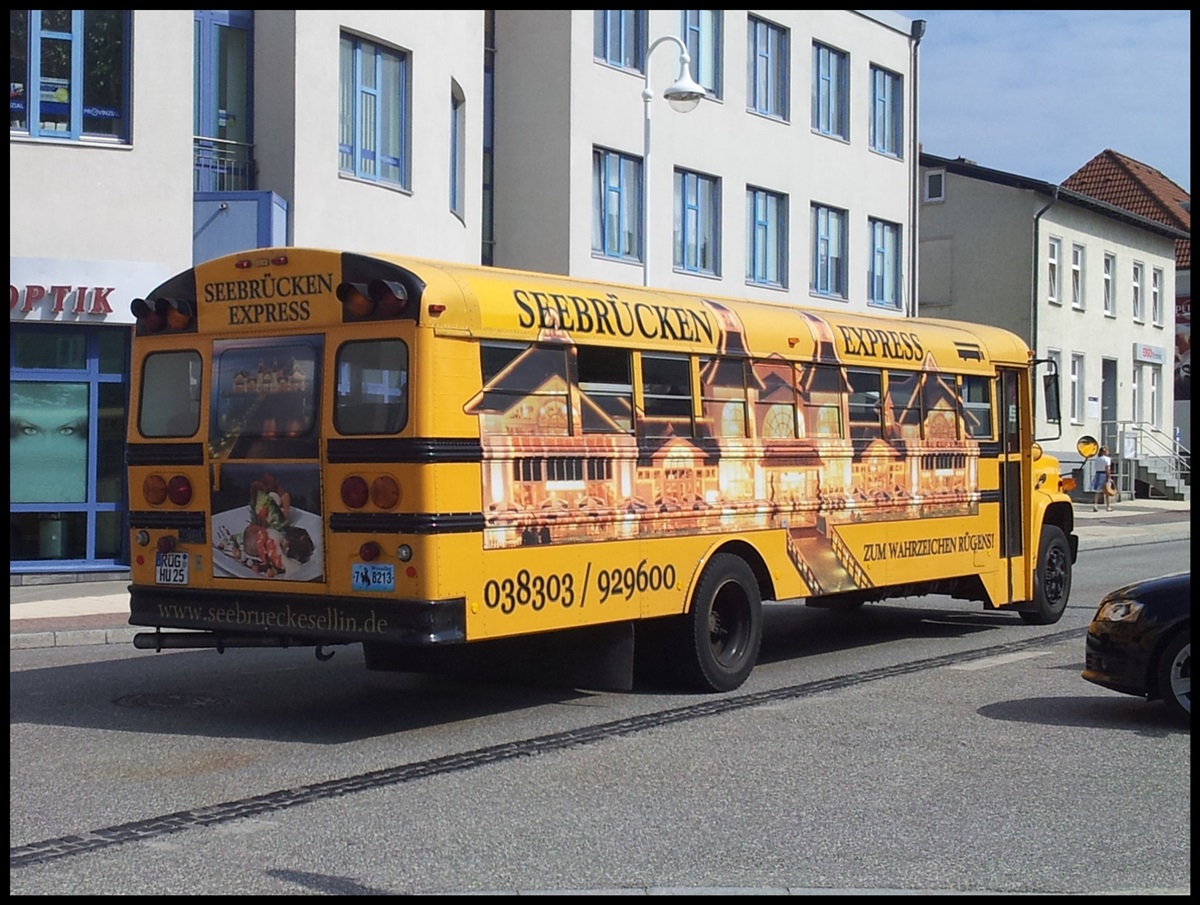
(717, 641)
(1051, 579)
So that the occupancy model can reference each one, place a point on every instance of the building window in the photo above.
(1077, 300)
(1077, 388)
(767, 69)
(1138, 314)
(831, 92)
(620, 38)
(883, 280)
(75, 64)
(1155, 413)
(1136, 386)
(616, 205)
(1156, 306)
(766, 238)
(828, 252)
(1052, 254)
(701, 33)
(887, 112)
(374, 117)
(935, 185)
(1110, 301)
(458, 150)
(697, 223)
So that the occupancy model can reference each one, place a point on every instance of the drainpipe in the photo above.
(1037, 244)
(917, 32)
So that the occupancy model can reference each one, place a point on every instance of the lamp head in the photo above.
(685, 94)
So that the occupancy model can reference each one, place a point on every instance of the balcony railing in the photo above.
(222, 166)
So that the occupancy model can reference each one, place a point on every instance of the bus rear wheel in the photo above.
(716, 642)
(1052, 580)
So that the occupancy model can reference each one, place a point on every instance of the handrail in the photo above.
(1139, 441)
(221, 165)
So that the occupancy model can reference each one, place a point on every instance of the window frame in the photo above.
(887, 112)
(1078, 277)
(1139, 302)
(1156, 304)
(619, 38)
(701, 32)
(629, 180)
(885, 256)
(766, 238)
(697, 222)
(458, 150)
(1053, 255)
(1077, 388)
(829, 271)
(1110, 297)
(831, 92)
(76, 85)
(930, 177)
(355, 160)
(767, 68)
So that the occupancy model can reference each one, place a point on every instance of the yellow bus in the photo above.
(432, 459)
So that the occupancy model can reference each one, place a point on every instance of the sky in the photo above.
(1039, 93)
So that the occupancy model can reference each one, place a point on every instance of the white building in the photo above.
(512, 137)
(1085, 283)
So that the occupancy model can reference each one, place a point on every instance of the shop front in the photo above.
(70, 330)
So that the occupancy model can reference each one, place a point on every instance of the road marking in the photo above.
(989, 662)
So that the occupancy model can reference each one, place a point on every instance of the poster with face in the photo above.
(48, 442)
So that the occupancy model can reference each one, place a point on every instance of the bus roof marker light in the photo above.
(242, 264)
(436, 309)
(279, 260)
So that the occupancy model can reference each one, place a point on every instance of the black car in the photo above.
(1140, 642)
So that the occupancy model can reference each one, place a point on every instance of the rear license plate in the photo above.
(171, 568)
(365, 577)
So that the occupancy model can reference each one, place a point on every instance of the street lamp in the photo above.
(684, 96)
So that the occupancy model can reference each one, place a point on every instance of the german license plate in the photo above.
(366, 577)
(171, 568)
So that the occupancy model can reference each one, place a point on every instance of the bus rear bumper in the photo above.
(245, 618)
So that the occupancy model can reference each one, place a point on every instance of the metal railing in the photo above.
(1139, 442)
(222, 166)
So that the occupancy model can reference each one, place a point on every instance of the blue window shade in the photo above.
(697, 223)
(766, 238)
(616, 205)
(883, 280)
(373, 124)
(831, 92)
(69, 73)
(767, 68)
(829, 252)
(887, 112)
(619, 37)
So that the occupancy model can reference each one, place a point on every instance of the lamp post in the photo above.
(684, 96)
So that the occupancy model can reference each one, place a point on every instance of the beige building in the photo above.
(1083, 282)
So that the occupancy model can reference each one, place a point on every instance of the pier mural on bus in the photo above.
(800, 446)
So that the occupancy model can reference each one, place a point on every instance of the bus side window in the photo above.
(773, 387)
(821, 391)
(170, 403)
(865, 404)
(904, 405)
(941, 407)
(667, 395)
(372, 387)
(606, 390)
(977, 406)
(722, 397)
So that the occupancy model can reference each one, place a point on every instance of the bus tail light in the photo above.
(355, 492)
(179, 490)
(369, 552)
(385, 492)
(154, 490)
(390, 296)
(166, 544)
(356, 303)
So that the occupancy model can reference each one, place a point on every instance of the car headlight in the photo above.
(1119, 611)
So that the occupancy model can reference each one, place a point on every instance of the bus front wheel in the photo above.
(716, 643)
(1052, 580)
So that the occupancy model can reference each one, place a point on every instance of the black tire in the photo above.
(1174, 676)
(715, 645)
(1052, 580)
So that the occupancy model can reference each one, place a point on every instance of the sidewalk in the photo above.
(73, 614)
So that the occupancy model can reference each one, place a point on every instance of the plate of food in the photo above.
(270, 538)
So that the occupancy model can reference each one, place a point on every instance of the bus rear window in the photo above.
(372, 387)
(170, 401)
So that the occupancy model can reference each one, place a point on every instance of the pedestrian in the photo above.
(1100, 478)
